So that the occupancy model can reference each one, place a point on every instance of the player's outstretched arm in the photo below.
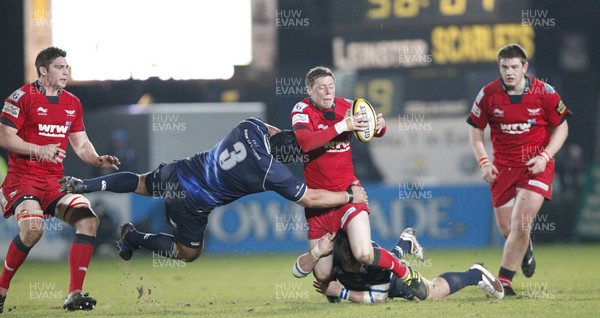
(85, 150)
(306, 262)
(376, 294)
(319, 198)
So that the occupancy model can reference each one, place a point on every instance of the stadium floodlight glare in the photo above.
(139, 39)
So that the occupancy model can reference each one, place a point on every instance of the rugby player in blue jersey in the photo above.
(358, 283)
(241, 163)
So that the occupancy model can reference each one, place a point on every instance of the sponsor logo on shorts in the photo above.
(347, 215)
(539, 184)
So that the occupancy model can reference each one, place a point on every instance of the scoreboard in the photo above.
(432, 56)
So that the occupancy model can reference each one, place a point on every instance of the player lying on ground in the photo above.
(241, 163)
(368, 284)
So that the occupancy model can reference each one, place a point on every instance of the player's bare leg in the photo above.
(323, 270)
(359, 236)
(527, 205)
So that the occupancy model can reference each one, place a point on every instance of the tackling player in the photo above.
(323, 126)
(528, 125)
(37, 122)
(242, 163)
(358, 283)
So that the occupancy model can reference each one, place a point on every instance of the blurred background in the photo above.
(161, 80)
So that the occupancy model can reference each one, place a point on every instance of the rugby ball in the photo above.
(362, 105)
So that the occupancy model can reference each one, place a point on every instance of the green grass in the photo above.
(566, 284)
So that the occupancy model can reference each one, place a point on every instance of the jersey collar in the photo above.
(40, 88)
(525, 89)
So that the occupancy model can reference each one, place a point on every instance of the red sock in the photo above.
(384, 259)
(79, 260)
(506, 281)
(16, 255)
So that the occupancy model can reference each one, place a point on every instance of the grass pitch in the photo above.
(566, 284)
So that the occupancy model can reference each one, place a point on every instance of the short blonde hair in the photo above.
(316, 72)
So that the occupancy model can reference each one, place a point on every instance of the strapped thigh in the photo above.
(28, 214)
(67, 205)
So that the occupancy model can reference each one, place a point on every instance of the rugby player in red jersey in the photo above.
(528, 126)
(36, 123)
(323, 126)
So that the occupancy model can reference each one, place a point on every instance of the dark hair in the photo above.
(342, 253)
(314, 73)
(47, 56)
(285, 148)
(513, 50)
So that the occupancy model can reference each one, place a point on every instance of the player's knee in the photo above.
(31, 225)
(187, 254)
(321, 275)
(89, 222)
(364, 256)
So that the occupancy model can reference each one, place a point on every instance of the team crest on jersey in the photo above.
(299, 107)
(16, 95)
(561, 108)
(300, 118)
(476, 110)
(11, 109)
(498, 112)
(534, 112)
(70, 113)
(549, 88)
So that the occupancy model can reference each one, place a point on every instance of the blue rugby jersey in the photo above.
(240, 164)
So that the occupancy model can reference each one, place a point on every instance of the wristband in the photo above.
(315, 252)
(368, 298)
(546, 156)
(483, 161)
(344, 293)
(342, 126)
(350, 194)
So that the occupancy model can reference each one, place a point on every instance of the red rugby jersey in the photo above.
(521, 129)
(329, 167)
(41, 122)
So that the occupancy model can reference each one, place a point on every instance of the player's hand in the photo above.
(380, 123)
(352, 123)
(49, 153)
(537, 164)
(489, 172)
(360, 195)
(325, 244)
(332, 288)
(107, 161)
